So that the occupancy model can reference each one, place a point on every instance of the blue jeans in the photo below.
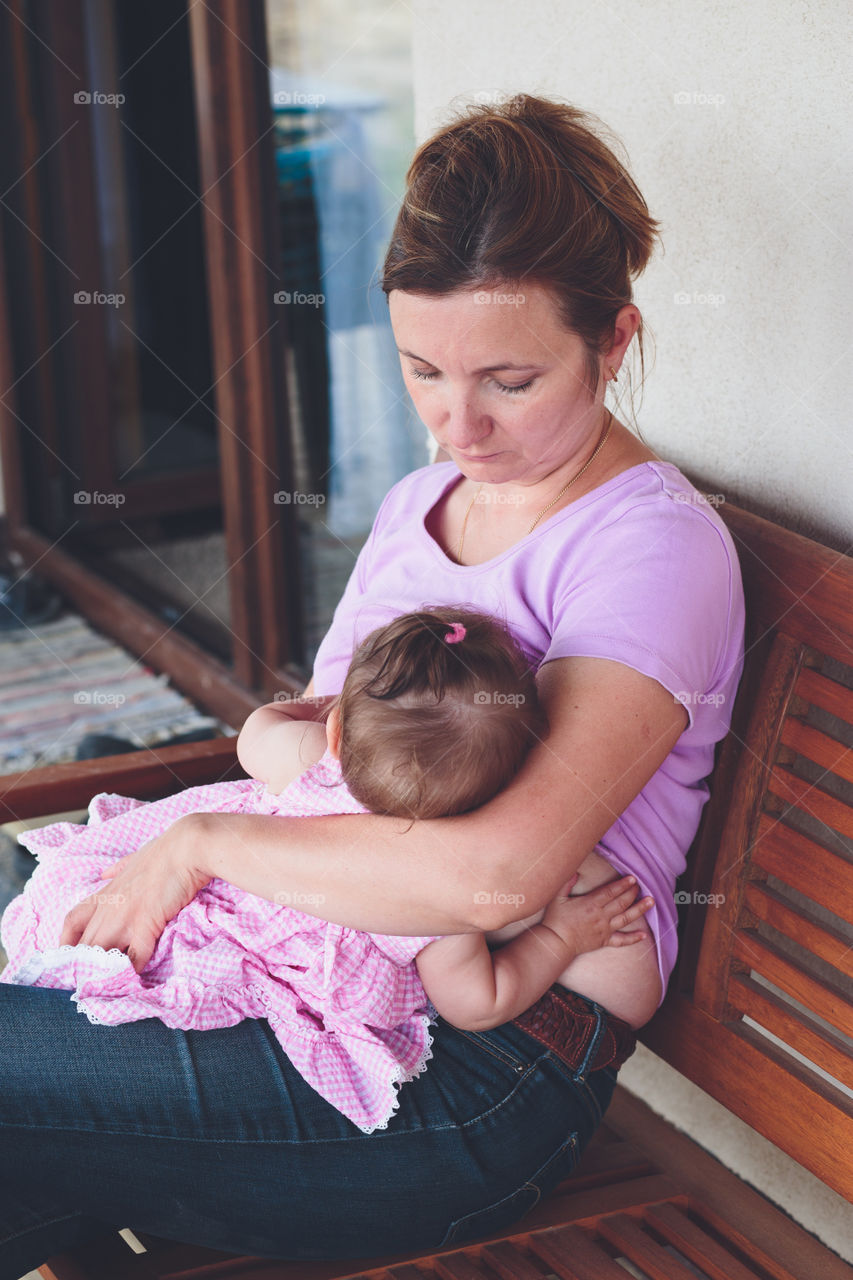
(212, 1138)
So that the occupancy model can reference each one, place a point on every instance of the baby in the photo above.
(436, 715)
(463, 721)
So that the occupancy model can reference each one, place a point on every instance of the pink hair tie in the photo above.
(457, 634)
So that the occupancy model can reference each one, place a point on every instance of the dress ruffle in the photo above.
(348, 1008)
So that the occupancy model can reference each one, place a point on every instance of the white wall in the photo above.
(735, 118)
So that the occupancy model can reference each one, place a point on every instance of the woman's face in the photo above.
(497, 379)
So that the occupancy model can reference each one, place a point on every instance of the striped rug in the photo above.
(62, 680)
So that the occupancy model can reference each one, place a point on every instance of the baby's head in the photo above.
(435, 718)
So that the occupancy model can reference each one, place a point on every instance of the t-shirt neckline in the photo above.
(578, 505)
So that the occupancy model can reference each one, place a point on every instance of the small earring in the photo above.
(613, 371)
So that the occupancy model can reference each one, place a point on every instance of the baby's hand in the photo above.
(592, 920)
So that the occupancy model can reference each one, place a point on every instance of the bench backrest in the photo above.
(759, 1009)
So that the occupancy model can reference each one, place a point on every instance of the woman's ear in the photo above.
(333, 731)
(626, 324)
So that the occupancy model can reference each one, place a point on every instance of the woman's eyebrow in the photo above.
(492, 368)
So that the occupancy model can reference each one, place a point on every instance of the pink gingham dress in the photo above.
(348, 1008)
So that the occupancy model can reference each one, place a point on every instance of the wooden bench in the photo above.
(758, 1013)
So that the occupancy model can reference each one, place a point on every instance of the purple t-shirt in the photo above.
(641, 571)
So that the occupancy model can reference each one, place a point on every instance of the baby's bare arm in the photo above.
(282, 750)
(476, 989)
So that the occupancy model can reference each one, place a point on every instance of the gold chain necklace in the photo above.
(602, 442)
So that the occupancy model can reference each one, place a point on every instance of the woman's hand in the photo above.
(142, 892)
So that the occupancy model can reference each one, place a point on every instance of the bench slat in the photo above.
(812, 800)
(696, 1245)
(823, 997)
(818, 747)
(805, 865)
(814, 1042)
(573, 1256)
(819, 691)
(508, 1262)
(829, 944)
(643, 1250)
(457, 1266)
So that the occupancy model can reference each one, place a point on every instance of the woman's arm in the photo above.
(610, 729)
(477, 989)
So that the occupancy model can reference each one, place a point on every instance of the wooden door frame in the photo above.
(236, 161)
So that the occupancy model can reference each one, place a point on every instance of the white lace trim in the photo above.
(398, 1079)
(30, 970)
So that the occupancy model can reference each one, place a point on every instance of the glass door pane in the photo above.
(340, 81)
(161, 537)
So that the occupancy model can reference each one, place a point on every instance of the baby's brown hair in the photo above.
(465, 713)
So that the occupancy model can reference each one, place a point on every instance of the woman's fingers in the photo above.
(146, 889)
(75, 923)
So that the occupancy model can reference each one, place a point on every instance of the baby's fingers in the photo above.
(637, 909)
(615, 894)
(631, 914)
(625, 939)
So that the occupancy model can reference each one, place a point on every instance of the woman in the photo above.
(509, 285)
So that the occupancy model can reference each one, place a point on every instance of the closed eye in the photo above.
(422, 376)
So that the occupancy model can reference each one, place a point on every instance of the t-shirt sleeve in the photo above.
(659, 590)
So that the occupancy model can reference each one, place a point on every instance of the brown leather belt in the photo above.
(567, 1024)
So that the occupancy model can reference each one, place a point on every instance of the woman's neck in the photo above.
(520, 503)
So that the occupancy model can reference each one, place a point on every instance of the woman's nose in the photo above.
(464, 424)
